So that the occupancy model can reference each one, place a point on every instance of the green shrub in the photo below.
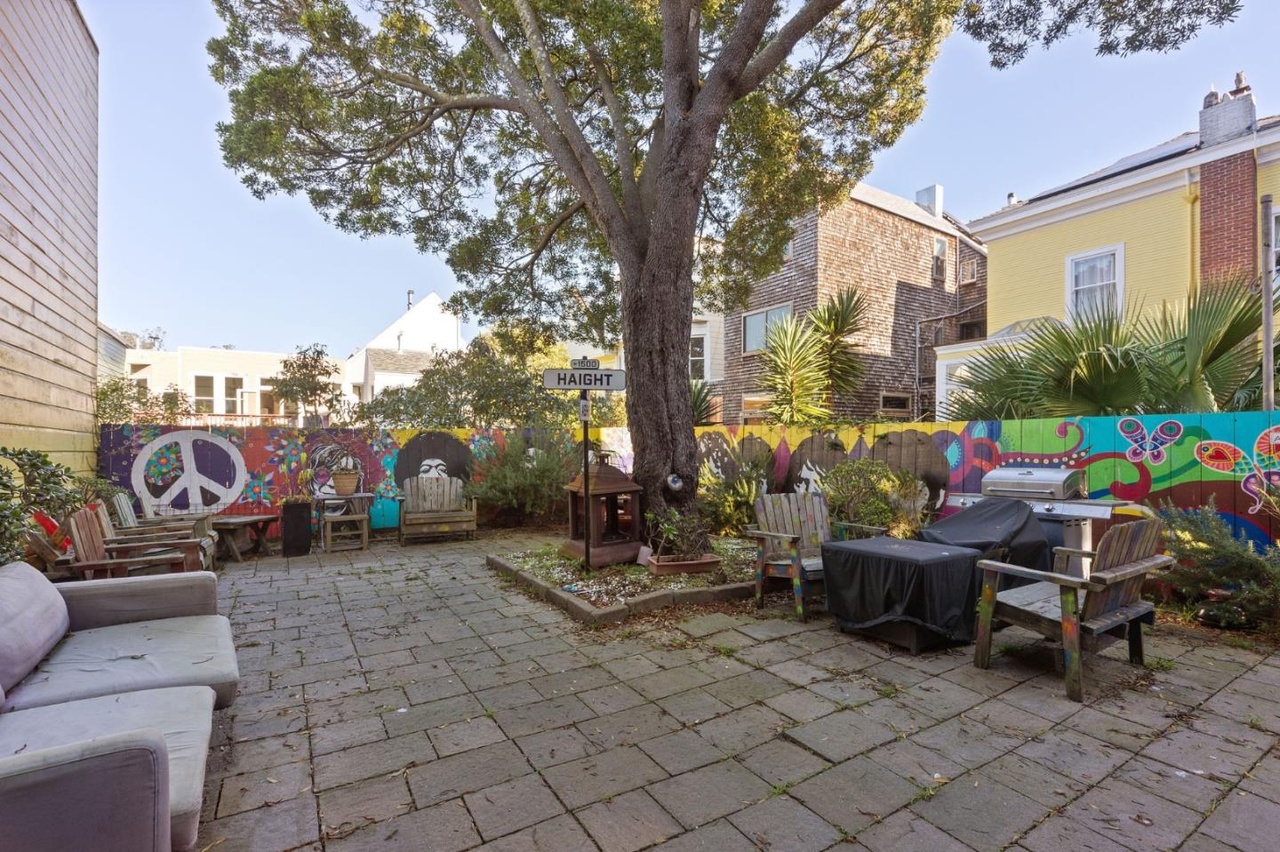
(859, 491)
(30, 482)
(527, 478)
(682, 535)
(1210, 556)
(728, 504)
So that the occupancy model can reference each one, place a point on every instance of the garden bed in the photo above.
(613, 593)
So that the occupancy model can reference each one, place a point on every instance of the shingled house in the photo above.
(923, 276)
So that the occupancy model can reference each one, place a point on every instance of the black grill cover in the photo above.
(873, 581)
(995, 522)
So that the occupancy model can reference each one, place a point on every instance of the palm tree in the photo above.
(795, 374)
(1202, 356)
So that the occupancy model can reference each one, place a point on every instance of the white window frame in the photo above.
(766, 311)
(753, 406)
(969, 270)
(1275, 238)
(1069, 276)
(788, 249)
(213, 398)
(705, 359)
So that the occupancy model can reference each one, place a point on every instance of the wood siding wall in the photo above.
(48, 229)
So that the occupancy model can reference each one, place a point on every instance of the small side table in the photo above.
(231, 526)
(344, 521)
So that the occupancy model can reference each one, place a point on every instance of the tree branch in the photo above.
(622, 142)
(780, 46)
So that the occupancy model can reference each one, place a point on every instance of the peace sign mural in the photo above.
(188, 471)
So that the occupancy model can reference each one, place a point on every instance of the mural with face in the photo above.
(324, 461)
(433, 454)
(814, 456)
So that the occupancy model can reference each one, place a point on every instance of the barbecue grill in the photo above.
(1058, 496)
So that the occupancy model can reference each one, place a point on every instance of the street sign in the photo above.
(585, 364)
(600, 380)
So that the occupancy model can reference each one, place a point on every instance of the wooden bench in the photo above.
(435, 506)
(1081, 613)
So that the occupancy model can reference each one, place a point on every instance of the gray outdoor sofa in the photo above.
(107, 689)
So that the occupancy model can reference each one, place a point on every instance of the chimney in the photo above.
(1228, 116)
(1228, 186)
(1011, 199)
(409, 302)
(930, 198)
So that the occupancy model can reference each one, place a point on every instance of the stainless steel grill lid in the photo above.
(1034, 483)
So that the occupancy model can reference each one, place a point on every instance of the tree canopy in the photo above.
(582, 162)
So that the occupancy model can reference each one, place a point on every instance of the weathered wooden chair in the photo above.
(92, 555)
(127, 521)
(1082, 614)
(197, 540)
(435, 506)
(789, 532)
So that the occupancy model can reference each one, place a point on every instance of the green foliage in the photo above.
(527, 476)
(703, 402)
(860, 491)
(608, 410)
(484, 386)
(809, 361)
(836, 321)
(30, 482)
(1201, 356)
(682, 535)
(119, 400)
(727, 503)
(1210, 556)
(306, 380)
(871, 493)
(794, 374)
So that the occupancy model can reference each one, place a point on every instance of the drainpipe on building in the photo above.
(915, 394)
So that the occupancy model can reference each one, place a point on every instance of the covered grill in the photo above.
(1059, 498)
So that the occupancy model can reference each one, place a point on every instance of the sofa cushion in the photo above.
(33, 617)
(183, 715)
(193, 650)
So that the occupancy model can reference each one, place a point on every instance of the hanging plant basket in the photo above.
(345, 482)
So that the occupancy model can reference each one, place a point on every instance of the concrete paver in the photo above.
(409, 699)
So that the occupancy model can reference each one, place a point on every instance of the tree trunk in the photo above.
(657, 317)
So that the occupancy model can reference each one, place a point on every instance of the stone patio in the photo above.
(408, 699)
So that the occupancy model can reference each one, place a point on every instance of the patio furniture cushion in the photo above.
(184, 651)
(182, 715)
(33, 617)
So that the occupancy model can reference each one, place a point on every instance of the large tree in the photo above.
(579, 160)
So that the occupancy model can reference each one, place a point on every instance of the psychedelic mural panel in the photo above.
(1181, 458)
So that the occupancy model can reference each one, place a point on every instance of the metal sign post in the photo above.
(584, 375)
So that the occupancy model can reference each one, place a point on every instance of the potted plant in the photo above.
(681, 544)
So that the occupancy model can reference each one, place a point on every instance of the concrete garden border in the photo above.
(582, 610)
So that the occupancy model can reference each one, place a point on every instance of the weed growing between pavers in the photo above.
(614, 583)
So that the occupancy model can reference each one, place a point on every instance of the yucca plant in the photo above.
(795, 374)
(835, 322)
(702, 401)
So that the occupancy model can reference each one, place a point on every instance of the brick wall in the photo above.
(1229, 217)
(889, 259)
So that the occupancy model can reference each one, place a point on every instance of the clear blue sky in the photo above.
(183, 246)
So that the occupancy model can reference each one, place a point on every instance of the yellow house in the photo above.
(1139, 232)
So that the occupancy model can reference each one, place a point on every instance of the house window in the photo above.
(787, 250)
(895, 404)
(698, 357)
(972, 330)
(1095, 280)
(753, 410)
(969, 271)
(141, 386)
(1275, 238)
(756, 325)
(203, 397)
(231, 393)
(939, 259)
(267, 403)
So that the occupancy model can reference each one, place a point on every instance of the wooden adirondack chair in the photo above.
(92, 557)
(435, 506)
(1082, 614)
(126, 521)
(789, 532)
(198, 543)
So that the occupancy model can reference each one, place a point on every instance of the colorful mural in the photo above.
(1182, 459)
